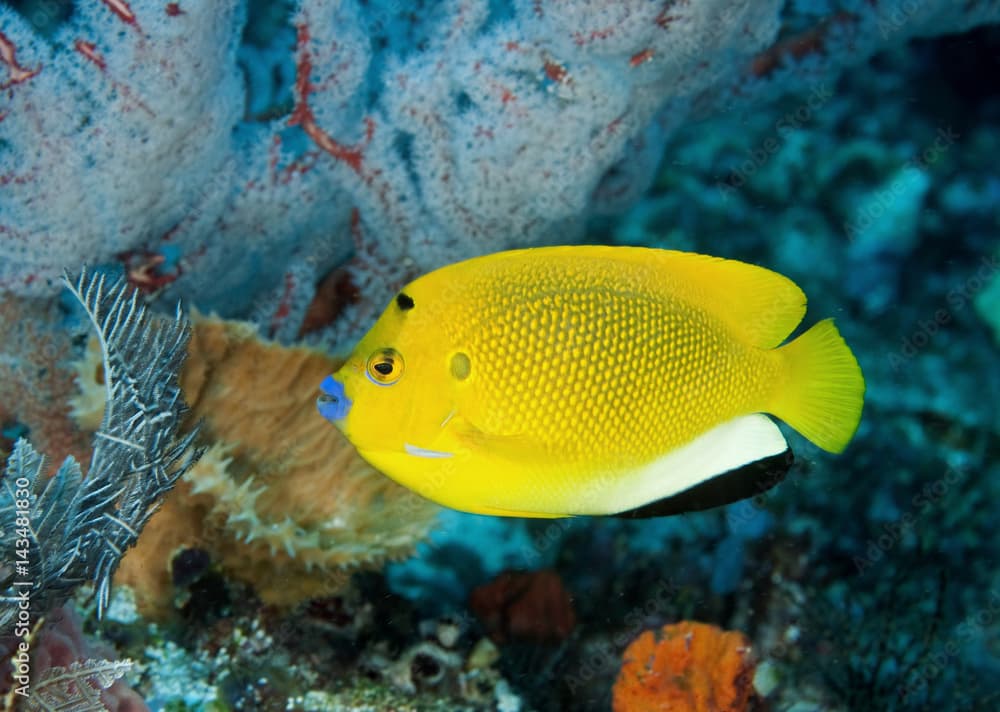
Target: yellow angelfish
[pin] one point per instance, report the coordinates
(562, 381)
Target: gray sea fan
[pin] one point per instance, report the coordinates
(39, 549)
(73, 529)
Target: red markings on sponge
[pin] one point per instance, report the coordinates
(15, 72)
(303, 116)
(123, 11)
(89, 50)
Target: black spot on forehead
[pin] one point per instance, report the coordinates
(405, 301)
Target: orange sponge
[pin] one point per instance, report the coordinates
(685, 667)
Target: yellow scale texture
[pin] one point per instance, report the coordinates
(591, 371)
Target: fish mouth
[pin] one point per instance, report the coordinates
(332, 403)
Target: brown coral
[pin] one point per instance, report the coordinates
(280, 500)
(525, 605)
(688, 667)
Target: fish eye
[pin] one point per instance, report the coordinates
(385, 367)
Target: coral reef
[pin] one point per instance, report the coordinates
(365, 696)
(687, 666)
(444, 661)
(156, 136)
(279, 500)
(363, 646)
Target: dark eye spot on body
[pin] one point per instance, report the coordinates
(404, 301)
(460, 366)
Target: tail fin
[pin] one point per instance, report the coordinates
(825, 388)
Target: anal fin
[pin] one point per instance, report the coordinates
(703, 473)
(741, 483)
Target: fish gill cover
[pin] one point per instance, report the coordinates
(295, 163)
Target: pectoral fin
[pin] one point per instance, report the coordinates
(516, 447)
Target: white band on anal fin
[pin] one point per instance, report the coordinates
(729, 446)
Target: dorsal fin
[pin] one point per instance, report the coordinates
(763, 305)
(754, 301)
